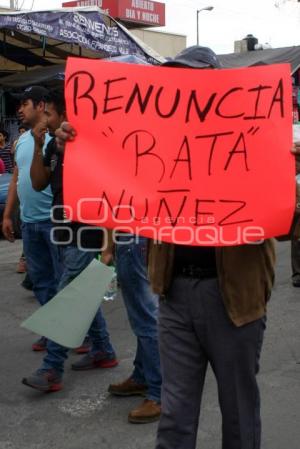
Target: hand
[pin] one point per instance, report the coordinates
(38, 132)
(107, 257)
(296, 148)
(8, 229)
(66, 133)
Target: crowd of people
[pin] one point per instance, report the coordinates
(187, 306)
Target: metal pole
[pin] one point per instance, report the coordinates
(12, 4)
(197, 26)
(206, 8)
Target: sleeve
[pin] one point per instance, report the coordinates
(48, 153)
(11, 160)
(2, 166)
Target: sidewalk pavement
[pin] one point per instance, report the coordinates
(84, 416)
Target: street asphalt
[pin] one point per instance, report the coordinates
(84, 416)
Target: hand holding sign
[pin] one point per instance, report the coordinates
(296, 138)
(192, 156)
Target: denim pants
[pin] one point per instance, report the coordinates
(142, 310)
(295, 253)
(195, 330)
(74, 262)
(43, 261)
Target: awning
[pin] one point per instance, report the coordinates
(47, 76)
(44, 38)
(270, 56)
(42, 76)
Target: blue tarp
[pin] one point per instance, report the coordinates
(87, 27)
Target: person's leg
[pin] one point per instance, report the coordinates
(74, 262)
(100, 336)
(142, 310)
(184, 364)
(54, 250)
(234, 355)
(295, 259)
(138, 371)
(21, 267)
(42, 266)
(39, 261)
(56, 354)
(49, 376)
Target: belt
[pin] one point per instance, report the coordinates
(192, 271)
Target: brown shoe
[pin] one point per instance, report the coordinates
(148, 411)
(128, 388)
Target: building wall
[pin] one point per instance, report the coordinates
(166, 44)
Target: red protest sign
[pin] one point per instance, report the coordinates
(199, 157)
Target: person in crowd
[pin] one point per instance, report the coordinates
(43, 263)
(142, 310)
(213, 311)
(21, 130)
(5, 152)
(295, 242)
(47, 169)
(2, 167)
(22, 266)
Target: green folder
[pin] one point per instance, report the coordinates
(68, 316)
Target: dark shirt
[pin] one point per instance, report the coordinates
(7, 158)
(90, 238)
(202, 257)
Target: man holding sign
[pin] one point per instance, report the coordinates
(213, 283)
(77, 249)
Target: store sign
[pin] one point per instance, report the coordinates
(144, 12)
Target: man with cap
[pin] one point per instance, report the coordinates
(212, 311)
(41, 254)
(78, 247)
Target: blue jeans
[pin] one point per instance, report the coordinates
(42, 257)
(74, 262)
(142, 310)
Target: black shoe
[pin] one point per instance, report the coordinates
(27, 284)
(296, 280)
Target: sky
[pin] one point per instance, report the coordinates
(274, 21)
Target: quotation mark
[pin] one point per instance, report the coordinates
(111, 132)
(253, 130)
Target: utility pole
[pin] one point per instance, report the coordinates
(206, 8)
(13, 4)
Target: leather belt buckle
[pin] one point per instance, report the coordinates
(195, 272)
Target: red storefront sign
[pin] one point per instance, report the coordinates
(143, 12)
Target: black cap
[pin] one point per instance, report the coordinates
(34, 93)
(196, 57)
